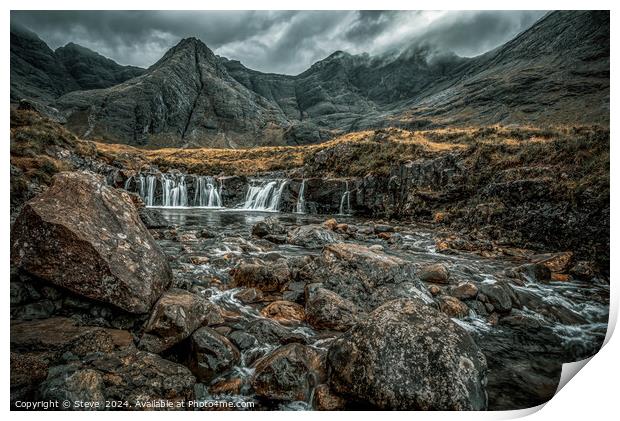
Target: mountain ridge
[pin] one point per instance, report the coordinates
(555, 72)
(43, 74)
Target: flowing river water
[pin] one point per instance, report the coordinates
(557, 322)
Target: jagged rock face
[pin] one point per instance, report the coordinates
(92, 70)
(408, 356)
(186, 98)
(87, 237)
(39, 73)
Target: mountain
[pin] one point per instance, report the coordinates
(554, 73)
(38, 72)
(187, 98)
(92, 70)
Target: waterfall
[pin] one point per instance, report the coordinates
(264, 195)
(127, 183)
(174, 191)
(206, 194)
(141, 186)
(345, 200)
(149, 198)
(301, 202)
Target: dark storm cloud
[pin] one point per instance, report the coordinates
(275, 41)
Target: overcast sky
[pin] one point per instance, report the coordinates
(275, 41)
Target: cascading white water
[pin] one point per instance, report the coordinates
(264, 195)
(128, 182)
(345, 201)
(174, 192)
(149, 198)
(141, 185)
(206, 193)
(301, 202)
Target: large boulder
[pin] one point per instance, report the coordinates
(271, 277)
(436, 273)
(289, 373)
(499, 294)
(408, 356)
(175, 316)
(136, 377)
(364, 276)
(87, 237)
(269, 226)
(58, 335)
(284, 312)
(312, 236)
(327, 310)
(211, 354)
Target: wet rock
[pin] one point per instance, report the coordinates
(206, 233)
(520, 321)
(38, 310)
(284, 312)
(226, 387)
(434, 290)
(249, 295)
(325, 400)
(364, 276)
(327, 310)
(499, 294)
(383, 228)
(531, 272)
(330, 224)
(452, 306)
(87, 237)
(288, 374)
(464, 291)
(59, 335)
(271, 277)
(152, 218)
(406, 356)
(583, 270)
(312, 236)
(132, 376)
(27, 371)
(555, 262)
(271, 332)
(342, 228)
(175, 316)
(436, 273)
(211, 354)
(269, 226)
(242, 340)
(478, 307)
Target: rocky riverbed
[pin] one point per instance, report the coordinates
(115, 302)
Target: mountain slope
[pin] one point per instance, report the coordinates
(556, 72)
(185, 99)
(36, 72)
(39, 73)
(92, 70)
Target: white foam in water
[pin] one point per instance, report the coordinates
(264, 195)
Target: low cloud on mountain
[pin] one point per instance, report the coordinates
(275, 41)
